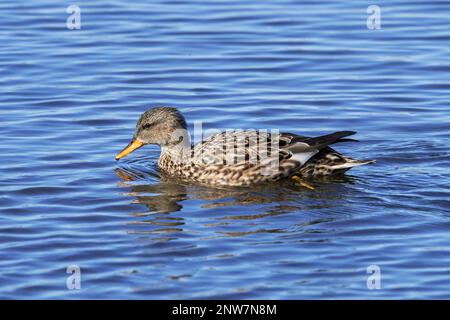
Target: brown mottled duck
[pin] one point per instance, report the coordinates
(238, 158)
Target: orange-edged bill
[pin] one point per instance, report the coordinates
(133, 145)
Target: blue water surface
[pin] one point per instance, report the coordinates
(69, 100)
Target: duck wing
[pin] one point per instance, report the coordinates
(304, 148)
(245, 158)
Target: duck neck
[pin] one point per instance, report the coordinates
(179, 153)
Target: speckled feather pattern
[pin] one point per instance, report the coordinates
(238, 162)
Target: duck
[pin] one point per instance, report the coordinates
(238, 157)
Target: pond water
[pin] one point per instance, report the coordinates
(69, 100)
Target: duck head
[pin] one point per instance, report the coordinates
(164, 126)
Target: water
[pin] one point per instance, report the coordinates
(69, 100)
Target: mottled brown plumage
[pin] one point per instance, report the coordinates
(237, 158)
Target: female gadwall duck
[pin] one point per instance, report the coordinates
(238, 158)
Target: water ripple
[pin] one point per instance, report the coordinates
(69, 101)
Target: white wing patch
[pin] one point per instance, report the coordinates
(303, 157)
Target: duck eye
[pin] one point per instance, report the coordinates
(147, 125)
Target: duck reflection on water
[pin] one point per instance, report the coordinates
(243, 208)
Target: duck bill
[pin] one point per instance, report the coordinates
(133, 145)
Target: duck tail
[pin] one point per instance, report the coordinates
(350, 163)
